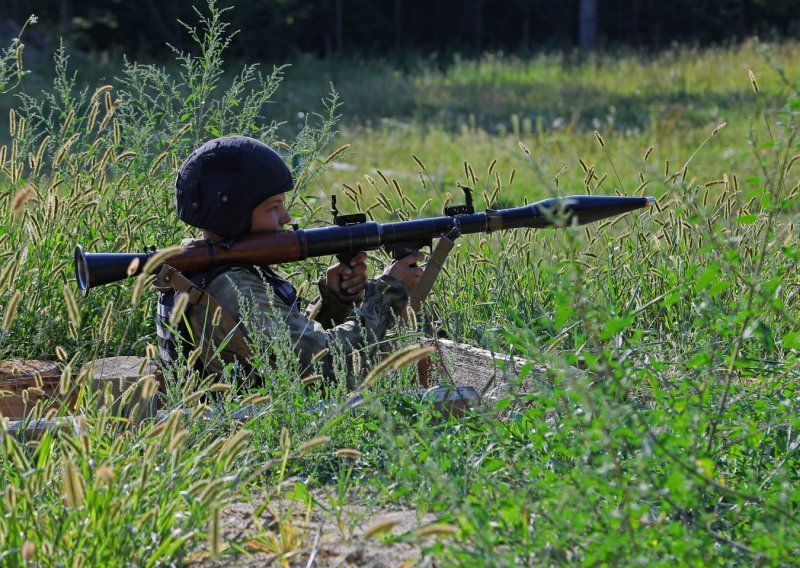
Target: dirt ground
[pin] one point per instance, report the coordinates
(326, 539)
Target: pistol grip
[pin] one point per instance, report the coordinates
(345, 258)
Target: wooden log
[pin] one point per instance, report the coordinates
(24, 382)
(31, 429)
(113, 376)
(487, 372)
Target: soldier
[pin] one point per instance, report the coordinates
(231, 187)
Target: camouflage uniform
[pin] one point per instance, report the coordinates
(328, 321)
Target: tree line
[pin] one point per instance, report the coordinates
(285, 28)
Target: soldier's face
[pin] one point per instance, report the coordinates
(271, 215)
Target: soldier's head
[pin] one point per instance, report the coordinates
(232, 186)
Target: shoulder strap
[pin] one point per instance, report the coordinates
(168, 276)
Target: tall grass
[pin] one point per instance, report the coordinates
(677, 444)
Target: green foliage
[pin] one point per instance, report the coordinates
(12, 69)
(657, 421)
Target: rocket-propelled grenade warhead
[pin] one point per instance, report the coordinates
(567, 211)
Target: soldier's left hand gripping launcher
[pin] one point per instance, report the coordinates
(351, 234)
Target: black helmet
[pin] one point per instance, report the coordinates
(224, 180)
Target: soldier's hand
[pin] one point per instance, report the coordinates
(348, 281)
(406, 270)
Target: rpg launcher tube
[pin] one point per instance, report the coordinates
(94, 269)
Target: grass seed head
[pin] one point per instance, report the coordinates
(599, 139)
(22, 198)
(788, 167)
(336, 153)
(235, 445)
(159, 257)
(104, 475)
(72, 484)
(256, 399)
(107, 322)
(411, 317)
(28, 550)
(306, 447)
(753, 82)
(214, 532)
(380, 526)
(194, 355)
(11, 310)
(191, 398)
(149, 387)
(311, 379)
(175, 316)
(133, 267)
(200, 410)
(176, 441)
(350, 453)
(437, 529)
(138, 288)
(73, 311)
(151, 351)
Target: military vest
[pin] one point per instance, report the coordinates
(173, 341)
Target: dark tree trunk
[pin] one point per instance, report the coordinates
(525, 42)
(338, 31)
(169, 34)
(65, 16)
(587, 24)
(478, 24)
(398, 24)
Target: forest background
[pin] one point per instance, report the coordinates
(279, 29)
